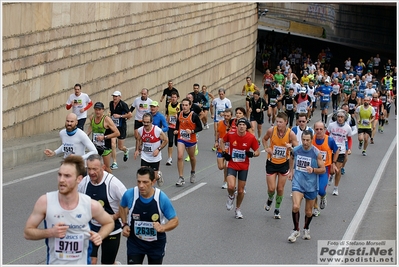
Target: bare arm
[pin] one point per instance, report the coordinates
(105, 219)
(31, 232)
(123, 211)
(169, 226)
(115, 132)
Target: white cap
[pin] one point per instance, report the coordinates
(117, 93)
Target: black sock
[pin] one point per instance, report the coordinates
(325, 118)
(382, 122)
(295, 219)
(307, 221)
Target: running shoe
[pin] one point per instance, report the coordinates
(335, 191)
(316, 212)
(331, 178)
(169, 162)
(230, 202)
(323, 202)
(386, 122)
(114, 166)
(382, 129)
(277, 214)
(364, 153)
(258, 141)
(268, 204)
(224, 186)
(360, 144)
(379, 128)
(294, 235)
(187, 158)
(160, 179)
(213, 148)
(371, 141)
(180, 181)
(126, 155)
(342, 171)
(192, 177)
(306, 234)
(238, 214)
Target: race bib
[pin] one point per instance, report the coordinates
(238, 155)
(116, 121)
(145, 231)
(70, 247)
(68, 150)
(323, 155)
(184, 135)
(96, 141)
(220, 111)
(289, 106)
(352, 106)
(365, 122)
(302, 162)
(172, 120)
(147, 148)
(273, 101)
(326, 98)
(279, 152)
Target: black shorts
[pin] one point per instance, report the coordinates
(172, 138)
(367, 131)
(137, 124)
(122, 131)
(341, 158)
(258, 119)
(153, 165)
(109, 249)
(267, 86)
(272, 168)
(241, 175)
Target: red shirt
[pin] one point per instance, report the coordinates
(376, 104)
(237, 148)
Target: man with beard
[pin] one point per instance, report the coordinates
(80, 104)
(74, 140)
(103, 130)
(365, 115)
(67, 214)
(108, 190)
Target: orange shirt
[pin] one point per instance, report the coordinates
(222, 130)
(325, 150)
(184, 124)
(280, 152)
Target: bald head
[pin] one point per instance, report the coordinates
(71, 122)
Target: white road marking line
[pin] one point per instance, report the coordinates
(357, 219)
(188, 191)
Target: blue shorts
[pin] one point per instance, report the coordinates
(324, 105)
(219, 155)
(187, 144)
(307, 195)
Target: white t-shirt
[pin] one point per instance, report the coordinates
(377, 61)
(142, 107)
(79, 102)
(340, 134)
(220, 106)
(75, 144)
(369, 92)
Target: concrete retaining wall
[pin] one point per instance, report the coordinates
(48, 47)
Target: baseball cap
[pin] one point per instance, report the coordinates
(305, 73)
(117, 93)
(350, 74)
(243, 120)
(154, 103)
(99, 105)
(303, 90)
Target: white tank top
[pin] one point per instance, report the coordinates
(74, 247)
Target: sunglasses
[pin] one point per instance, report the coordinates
(301, 121)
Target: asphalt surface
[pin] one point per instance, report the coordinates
(208, 233)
